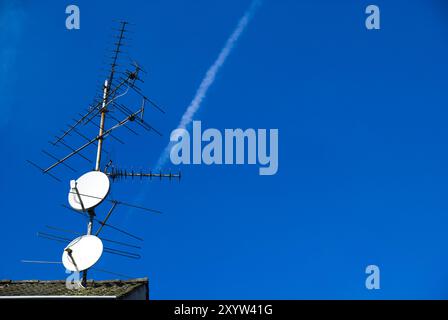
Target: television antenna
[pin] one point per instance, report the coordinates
(91, 189)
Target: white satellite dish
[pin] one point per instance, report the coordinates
(82, 253)
(88, 191)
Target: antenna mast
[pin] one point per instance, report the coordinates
(102, 123)
(107, 85)
(103, 111)
(89, 190)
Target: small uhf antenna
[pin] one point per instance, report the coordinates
(90, 190)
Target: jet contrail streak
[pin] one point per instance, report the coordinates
(210, 76)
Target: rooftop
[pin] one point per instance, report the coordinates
(134, 289)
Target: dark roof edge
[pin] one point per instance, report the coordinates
(136, 280)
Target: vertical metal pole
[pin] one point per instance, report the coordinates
(89, 232)
(98, 163)
(101, 131)
(102, 122)
(90, 225)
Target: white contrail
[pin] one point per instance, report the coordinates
(210, 77)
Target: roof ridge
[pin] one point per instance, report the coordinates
(134, 280)
(120, 289)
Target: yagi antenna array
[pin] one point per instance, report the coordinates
(91, 190)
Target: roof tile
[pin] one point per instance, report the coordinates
(117, 288)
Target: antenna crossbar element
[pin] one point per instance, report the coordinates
(71, 149)
(93, 110)
(53, 237)
(123, 109)
(136, 90)
(111, 135)
(98, 138)
(114, 64)
(102, 238)
(122, 253)
(118, 46)
(106, 225)
(123, 174)
(41, 262)
(84, 137)
(56, 159)
(114, 204)
(43, 170)
(111, 272)
(126, 126)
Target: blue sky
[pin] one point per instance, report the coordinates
(362, 145)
